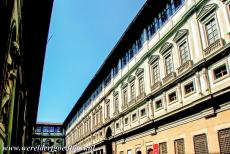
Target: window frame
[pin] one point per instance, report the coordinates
(204, 22)
(218, 65)
(179, 44)
(165, 55)
(152, 66)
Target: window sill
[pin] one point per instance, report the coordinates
(218, 44)
(185, 66)
(169, 77)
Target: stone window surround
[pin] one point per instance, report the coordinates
(211, 16)
(217, 65)
(186, 83)
(170, 92)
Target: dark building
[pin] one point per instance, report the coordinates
(48, 134)
(23, 40)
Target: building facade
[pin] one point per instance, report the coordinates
(23, 38)
(165, 86)
(48, 134)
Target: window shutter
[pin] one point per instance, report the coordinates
(224, 140)
(200, 144)
(163, 148)
(179, 146)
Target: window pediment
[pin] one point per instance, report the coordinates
(206, 10)
(139, 71)
(165, 47)
(131, 78)
(153, 58)
(115, 93)
(124, 84)
(180, 34)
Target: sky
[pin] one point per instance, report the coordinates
(82, 33)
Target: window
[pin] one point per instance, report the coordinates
(188, 88)
(45, 129)
(212, 31)
(126, 120)
(38, 129)
(155, 73)
(125, 96)
(168, 63)
(158, 104)
(116, 103)
(132, 90)
(141, 85)
(163, 148)
(129, 152)
(121, 152)
(200, 144)
(172, 97)
(134, 117)
(143, 112)
(108, 109)
(179, 146)
(117, 125)
(101, 115)
(224, 140)
(184, 52)
(220, 71)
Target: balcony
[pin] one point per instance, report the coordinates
(141, 96)
(185, 66)
(156, 85)
(218, 44)
(169, 77)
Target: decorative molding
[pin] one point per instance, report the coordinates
(153, 58)
(139, 71)
(115, 93)
(131, 78)
(165, 47)
(207, 9)
(185, 66)
(180, 34)
(218, 44)
(124, 85)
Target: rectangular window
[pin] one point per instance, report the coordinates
(163, 148)
(134, 117)
(155, 73)
(158, 104)
(132, 91)
(188, 88)
(125, 96)
(220, 71)
(224, 140)
(200, 144)
(101, 115)
(212, 31)
(184, 52)
(129, 152)
(143, 112)
(117, 125)
(179, 146)
(141, 85)
(172, 97)
(108, 109)
(169, 63)
(121, 152)
(38, 129)
(116, 103)
(126, 120)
